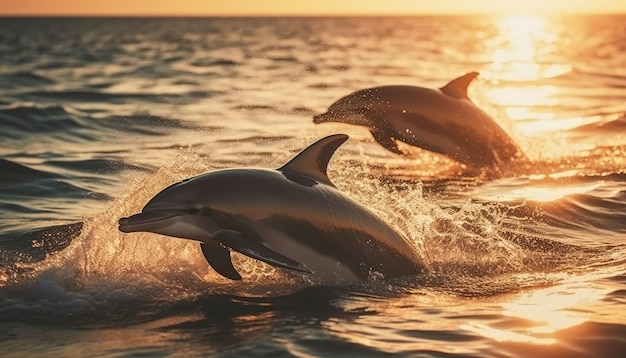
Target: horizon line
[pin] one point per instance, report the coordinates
(364, 14)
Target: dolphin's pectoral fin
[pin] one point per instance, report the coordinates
(219, 258)
(256, 250)
(386, 141)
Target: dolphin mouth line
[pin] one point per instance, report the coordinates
(139, 222)
(319, 118)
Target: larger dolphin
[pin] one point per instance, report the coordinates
(292, 217)
(439, 120)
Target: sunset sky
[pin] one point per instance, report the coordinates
(297, 7)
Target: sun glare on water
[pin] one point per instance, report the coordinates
(549, 193)
(545, 311)
(542, 188)
(525, 51)
(520, 42)
(519, 54)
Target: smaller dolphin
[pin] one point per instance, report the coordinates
(441, 120)
(292, 217)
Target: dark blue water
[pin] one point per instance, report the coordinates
(98, 115)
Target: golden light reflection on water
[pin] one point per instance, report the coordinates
(502, 335)
(538, 125)
(521, 53)
(545, 312)
(522, 39)
(550, 193)
(523, 96)
(549, 187)
(521, 56)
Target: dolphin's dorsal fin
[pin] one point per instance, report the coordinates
(458, 86)
(313, 161)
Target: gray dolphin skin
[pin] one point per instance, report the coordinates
(292, 217)
(441, 120)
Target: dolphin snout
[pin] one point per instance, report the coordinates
(321, 118)
(356, 116)
(146, 221)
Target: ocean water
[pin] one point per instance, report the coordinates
(98, 115)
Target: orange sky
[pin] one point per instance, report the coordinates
(298, 7)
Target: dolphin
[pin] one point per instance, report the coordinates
(293, 217)
(441, 120)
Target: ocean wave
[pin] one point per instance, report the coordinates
(619, 80)
(35, 189)
(96, 165)
(21, 121)
(38, 189)
(146, 124)
(254, 107)
(29, 246)
(582, 204)
(613, 124)
(82, 96)
(24, 79)
(210, 62)
(589, 213)
(64, 122)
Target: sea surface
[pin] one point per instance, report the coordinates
(99, 114)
